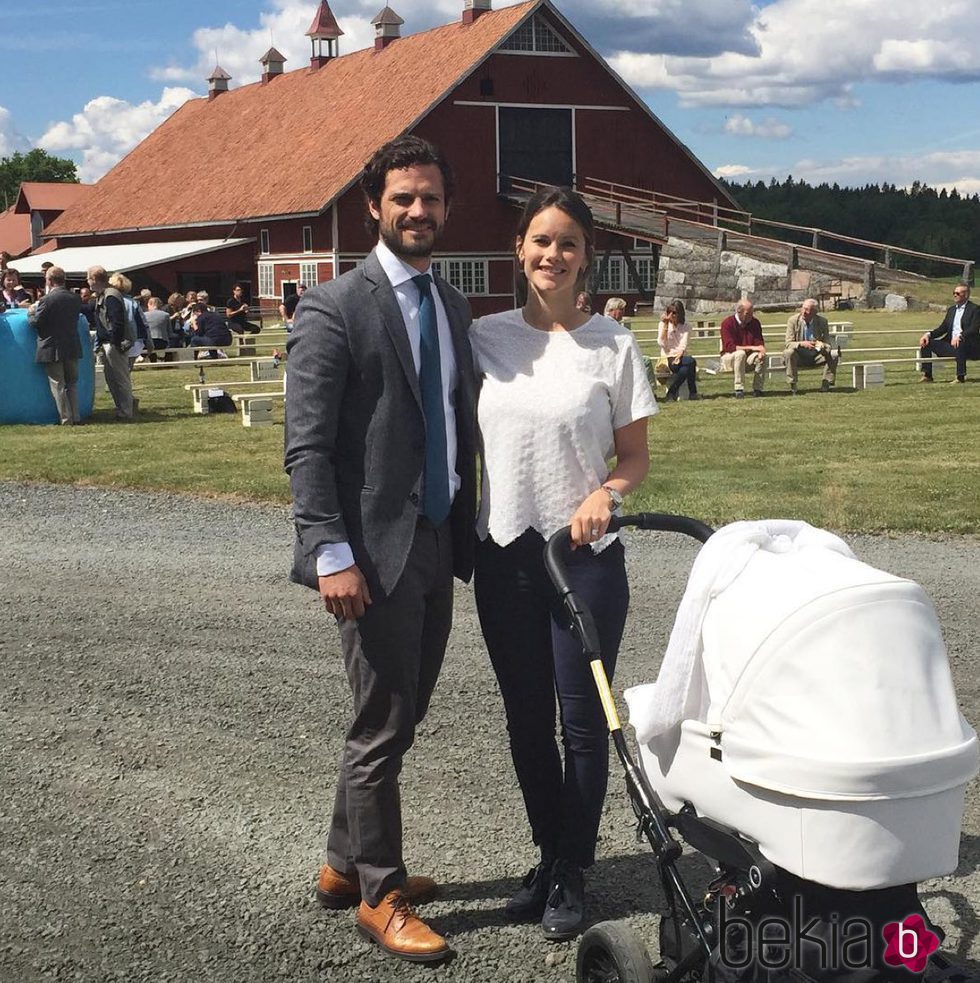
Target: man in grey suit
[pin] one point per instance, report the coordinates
(55, 318)
(808, 344)
(380, 440)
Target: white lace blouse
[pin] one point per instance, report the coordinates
(549, 404)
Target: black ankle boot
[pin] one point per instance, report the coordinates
(528, 904)
(565, 909)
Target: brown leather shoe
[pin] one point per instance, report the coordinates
(924, 378)
(335, 890)
(399, 931)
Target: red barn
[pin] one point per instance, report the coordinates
(512, 93)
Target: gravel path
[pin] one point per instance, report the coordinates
(171, 718)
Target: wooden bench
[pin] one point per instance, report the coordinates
(257, 407)
(261, 368)
(200, 391)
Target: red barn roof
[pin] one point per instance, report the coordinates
(324, 24)
(49, 196)
(310, 133)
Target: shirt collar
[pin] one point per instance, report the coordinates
(396, 269)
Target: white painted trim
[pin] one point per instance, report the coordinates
(496, 137)
(296, 257)
(335, 235)
(574, 148)
(541, 105)
(539, 54)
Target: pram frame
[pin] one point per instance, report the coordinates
(649, 811)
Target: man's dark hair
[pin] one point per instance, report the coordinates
(199, 309)
(396, 155)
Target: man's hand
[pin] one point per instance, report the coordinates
(345, 593)
(924, 340)
(956, 342)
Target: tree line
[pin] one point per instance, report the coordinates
(35, 165)
(918, 217)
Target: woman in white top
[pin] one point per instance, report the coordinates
(563, 392)
(672, 335)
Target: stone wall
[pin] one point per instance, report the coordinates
(707, 279)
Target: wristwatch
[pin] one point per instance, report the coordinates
(615, 499)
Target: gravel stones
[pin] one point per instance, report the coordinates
(171, 719)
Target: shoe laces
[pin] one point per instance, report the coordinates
(565, 875)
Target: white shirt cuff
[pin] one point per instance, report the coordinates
(332, 558)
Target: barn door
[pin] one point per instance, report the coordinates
(536, 144)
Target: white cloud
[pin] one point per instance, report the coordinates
(238, 50)
(810, 51)
(11, 139)
(767, 129)
(108, 128)
(939, 169)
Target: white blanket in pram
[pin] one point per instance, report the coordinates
(679, 692)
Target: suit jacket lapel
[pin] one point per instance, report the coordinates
(394, 323)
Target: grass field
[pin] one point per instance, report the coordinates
(899, 458)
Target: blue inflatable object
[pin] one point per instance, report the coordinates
(25, 396)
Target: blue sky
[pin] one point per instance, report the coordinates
(855, 91)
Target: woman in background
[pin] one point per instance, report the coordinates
(673, 335)
(563, 392)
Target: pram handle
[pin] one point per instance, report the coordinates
(558, 549)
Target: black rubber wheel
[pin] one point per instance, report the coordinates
(611, 952)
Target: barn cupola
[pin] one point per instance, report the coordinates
(272, 64)
(387, 28)
(473, 8)
(323, 28)
(217, 82)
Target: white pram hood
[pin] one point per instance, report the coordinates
(816, 674)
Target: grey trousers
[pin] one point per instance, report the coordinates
(392, 656)
(63, 380)
(808, 358)
(117, 368)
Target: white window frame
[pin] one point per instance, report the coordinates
(307, 238)
(465, 274)
(308, 274)
(267, 280)
(264, 249)
(613, 279)
(646, 267)
(537, 22)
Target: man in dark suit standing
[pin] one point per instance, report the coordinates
(380, 453)
(957, 337)
(55, 318)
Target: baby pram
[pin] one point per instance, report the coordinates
(813, 751)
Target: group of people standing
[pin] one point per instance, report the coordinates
(392, 389)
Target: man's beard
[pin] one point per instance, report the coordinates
(392, 238)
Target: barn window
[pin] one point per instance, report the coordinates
(307, 274)
(535, 35)
(647, 270)
(612, 280)
(264, 242)
(468, 276)
(307, 238)
(267, 282)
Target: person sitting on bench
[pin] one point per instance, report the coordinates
(210, 330)
(742, 345)
(957, 337)
(808, 344)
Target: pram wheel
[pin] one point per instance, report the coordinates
(611, 952)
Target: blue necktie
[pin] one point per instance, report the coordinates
(435, 499)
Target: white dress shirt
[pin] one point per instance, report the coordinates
(334, 557)
(958, 320)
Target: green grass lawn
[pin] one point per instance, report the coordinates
(899, 458)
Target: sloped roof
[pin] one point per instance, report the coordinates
(15, 232)
(49, 196)
(309, 134)
(324, 24)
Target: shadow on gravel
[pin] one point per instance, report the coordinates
(616, 887)
(965, 907)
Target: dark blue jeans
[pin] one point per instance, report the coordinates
(535, 658)
(685, 370)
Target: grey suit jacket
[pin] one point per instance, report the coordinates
(794, 330)
(56, 321)
(355, 433)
